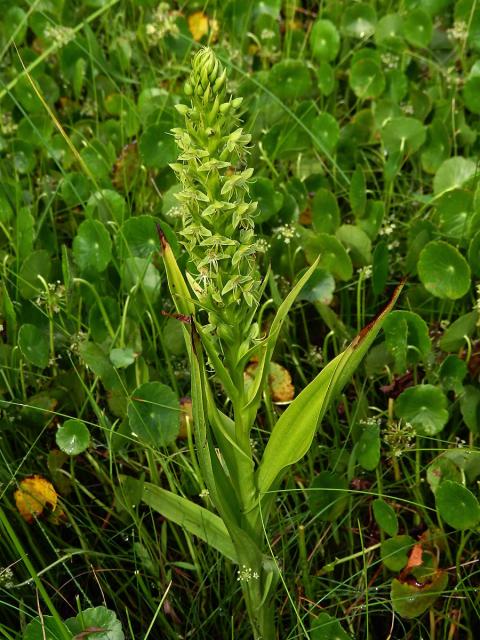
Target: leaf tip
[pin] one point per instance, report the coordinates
(163, 238)
(366, 330)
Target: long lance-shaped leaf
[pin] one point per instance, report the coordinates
(192, 517)
(218, 484)
(238, 461)
(293, 433)
(268, 345)
(176, 282)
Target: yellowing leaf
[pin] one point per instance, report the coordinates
(33, 495)
(198, 25)
(279, 381)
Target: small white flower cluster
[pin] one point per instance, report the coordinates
(77, 339)
(370, 421)
(365, 272)
(56, 292)
(59, 35)
(387, 229)
(315, 354)
(459, 31)
(390, 60)
(263, 245)
(53, 361)
(245, 574)
(452, 78)
(204, 493)
(394, 244)
(459, 442)
(6, 577)
(287, 232)
(163, 23)
(407, 109)
(267, 45)
(47, 184)
(267, 34)
(399, 437)
(7, 124)
(89, 108)
(175, 212)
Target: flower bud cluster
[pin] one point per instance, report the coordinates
(217, 214)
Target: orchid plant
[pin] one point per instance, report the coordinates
(219, 300)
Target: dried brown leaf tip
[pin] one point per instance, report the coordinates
(163, 238)
(366, 330)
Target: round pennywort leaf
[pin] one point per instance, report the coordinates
(368, 447)
(457, 505)
(359, 20)
(385, 516)
(34, 345)
(425, 407)
(367, 79)
(324, 40)
(92, 247)
(290, 80)
(443, 270)
(453, 174)
(102, 620)
(418, 28)
(73, 437)
(403, 135)
(471, 94)
(410, 600)
(138, 237)
(154, 414)
(319, 288)
(394, 552)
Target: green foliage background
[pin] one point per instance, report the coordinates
(364, 124)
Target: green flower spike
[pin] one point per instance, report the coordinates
(217, 214)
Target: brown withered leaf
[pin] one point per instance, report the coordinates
(126, 167)
(306, 217)
(399, 384)
(415, 559)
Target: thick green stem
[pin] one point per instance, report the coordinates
(261, 614)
